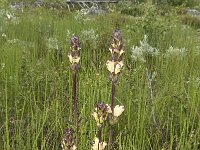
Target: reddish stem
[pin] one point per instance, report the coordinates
(99, 134)
(112, 108)
(75, 105)
(113, 97)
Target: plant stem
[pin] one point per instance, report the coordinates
(7, 120)
(149, 79)
(99, 134)
(75, 105)
(112, 108)
(113, 97)
(110, 138)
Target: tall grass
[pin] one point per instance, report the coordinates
(35, 82)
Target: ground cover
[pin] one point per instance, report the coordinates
(35, 78)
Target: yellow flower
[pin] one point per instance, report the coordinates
(114, 67)
(118, 67)
(98, 119)
(65, 147)
(109, 109)
(73, 59)
(120, 52)
(110, 66)
(110, 49)
(118, 110)
(74, 147)
(98, 145)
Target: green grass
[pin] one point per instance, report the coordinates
(36, 86)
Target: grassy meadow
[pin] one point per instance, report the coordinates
(36, 80)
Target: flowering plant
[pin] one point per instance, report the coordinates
(97, 145)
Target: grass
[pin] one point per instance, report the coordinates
(35, 82)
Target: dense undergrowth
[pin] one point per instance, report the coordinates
(35, 85)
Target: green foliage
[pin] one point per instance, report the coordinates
(190, 20)
(168, 2)
(134, 10)
(3, 4)
(35, 85)
(181, 2)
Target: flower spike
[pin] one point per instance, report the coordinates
(74, 53)
(115, 65)
(101, 113)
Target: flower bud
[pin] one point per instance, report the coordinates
(68, 140)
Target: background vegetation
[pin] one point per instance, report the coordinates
(35, 78)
